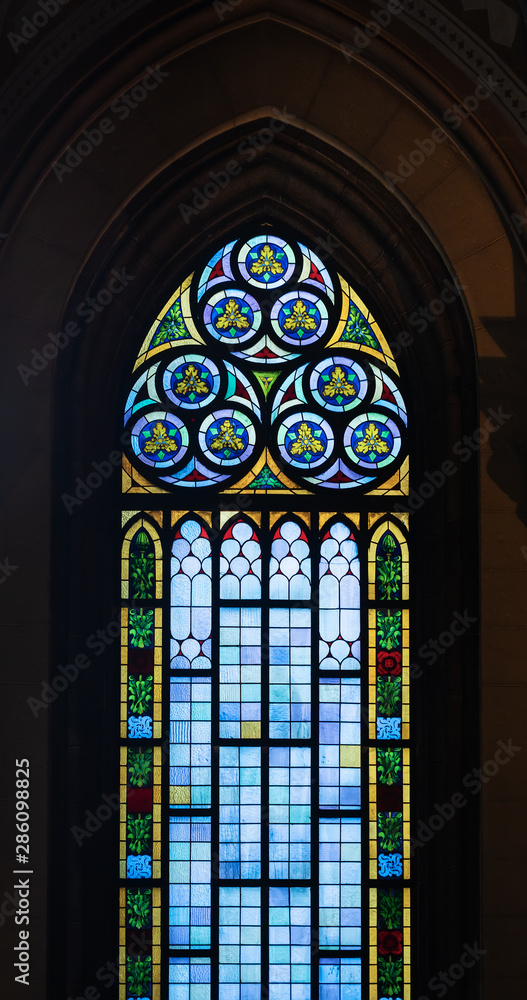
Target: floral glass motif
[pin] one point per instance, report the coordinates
(299, 318)
(262, 328)
(227, 437)
(191, 381)
(290, 566)
(265, 374)
(191, 621)
(388, 568)
(338, 385)
(142, 566)
(339, 600)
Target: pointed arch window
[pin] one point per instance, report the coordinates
(265, 757)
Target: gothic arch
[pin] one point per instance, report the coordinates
(322, 175)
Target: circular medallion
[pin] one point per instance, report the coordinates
(232, 316)
(299, 318)
(159, 439)
(305, 440)
(227, 437)
(372, 440)
(266, 260)
(191, 381)
(337, 384)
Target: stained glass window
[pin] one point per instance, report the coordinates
(265, 726)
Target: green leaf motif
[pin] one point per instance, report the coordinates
(139, 908)
(390, 830)
(389, 766)
(139, 767)
(138, 975)
(389, 629)
(140, 691)
(388, 569)
(266, 480)
(141, 629)
(139, 833)
(358, 330)
(390, 904)
(390, 975)
(388, 696)
(142, 563)
(172, 327)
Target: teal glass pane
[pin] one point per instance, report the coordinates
(240, 919)
(189, 882)
(240, 813)
(340, 979)
(240, 688)
(289, 943)
(189, 978)
(289, 673)
(340, 883)
(289, 812)
(339, 742)
(190, 741)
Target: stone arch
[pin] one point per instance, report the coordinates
(323, 174)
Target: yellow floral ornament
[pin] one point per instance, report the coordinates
(227, 438)
(192, 382)
(305, 442)
(300, 318)
(267, 263)
(372, 442)
(160, 440)
(232, 318)
(339, 385)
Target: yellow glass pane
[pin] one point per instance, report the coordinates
(251, 730)
(180, 795)
(349, 756)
